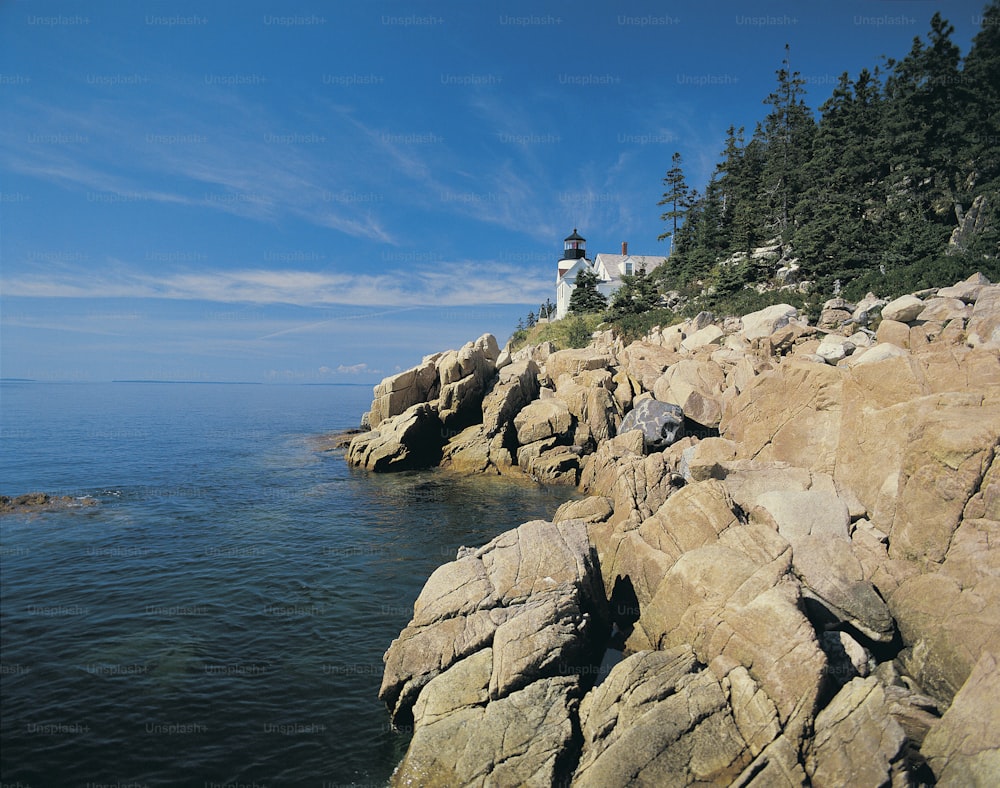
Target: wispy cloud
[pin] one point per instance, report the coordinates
(444, 284)
(241, 167)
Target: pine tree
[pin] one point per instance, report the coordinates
(788, 130)
(586, 297)
(677, 196)
(636, 295)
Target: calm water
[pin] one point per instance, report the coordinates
(220, 617)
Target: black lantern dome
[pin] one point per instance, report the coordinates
(574, 247)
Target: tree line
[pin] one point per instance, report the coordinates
(866, 194)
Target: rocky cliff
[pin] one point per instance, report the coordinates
(786, 570)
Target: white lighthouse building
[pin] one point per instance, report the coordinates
(609, 269)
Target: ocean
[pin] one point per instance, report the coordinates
(219, 617)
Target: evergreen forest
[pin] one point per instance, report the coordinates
(891, 186)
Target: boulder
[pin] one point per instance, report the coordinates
(967, 291)
(692, 517)
(950, 617)
(836, 588)
(575, 361)
(880, 352)
(593, 405)
(515, 386)
(397, 393)
(468, 452)
(659, 719)
(541, 572)
(645, 362)
(661, 423)
(856, 741)
(637, 484)
(832, 350)
(592, 509)
(765, 322)
(558, 465)
(460, 740)
(834, 318)
(697, 386)
(964, 747)
(894, 333)
(903, 309)
(413, 439)
(984, 324)
(464, 376)
(541, 419)
(791, 413)
(944, 309)
(709, 335)
(799, 514)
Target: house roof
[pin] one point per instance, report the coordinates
(578, 264)
(614, 264)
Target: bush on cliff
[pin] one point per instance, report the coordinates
(561, 333)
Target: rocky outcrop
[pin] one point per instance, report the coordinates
(788, 547)
(413, 439)
(42, 502)
(661, 718)
(502, 636)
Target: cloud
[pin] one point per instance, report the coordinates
(352, 369)
(442, 285)
(236, 166)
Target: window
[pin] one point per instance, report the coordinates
(628, 269)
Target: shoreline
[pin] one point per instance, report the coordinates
(802, 504)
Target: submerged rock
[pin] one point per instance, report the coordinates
(41, 502)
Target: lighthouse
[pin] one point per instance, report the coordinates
(574, 248)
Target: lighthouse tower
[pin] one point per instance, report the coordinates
(574, 248)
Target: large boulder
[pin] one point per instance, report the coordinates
(575, 361)
(592, 405)
(532, 593)
(967, 291)
(950, 617)
(697, 386)
(735, 597)
(661, 423)
(541, 419)
(515, 386)
(903, 309)
(856, 741)
(765, 322)
(660, 719)
(637, 484)
(413, 439)
(398, 392)
(464, 376)
(645, 362)
(461, 739)
(834, 586)
(490, 667)
(791, 413)
(984, 324)
(964, 747)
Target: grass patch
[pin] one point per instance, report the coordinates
(573, 331)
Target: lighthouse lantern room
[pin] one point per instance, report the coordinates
(574, 248)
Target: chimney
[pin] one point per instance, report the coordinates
(624, 248)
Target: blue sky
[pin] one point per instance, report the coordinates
(328, 191)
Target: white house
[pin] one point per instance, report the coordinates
(609, 269)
